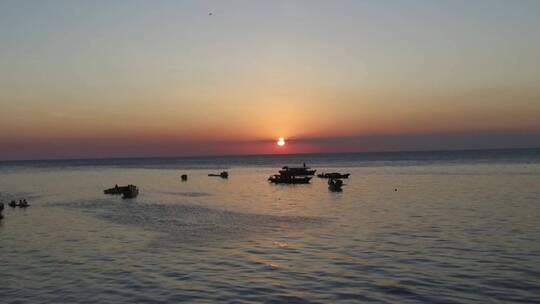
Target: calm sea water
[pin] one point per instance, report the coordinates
(462, 227)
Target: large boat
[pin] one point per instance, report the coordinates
(333, 175)
(297, 170)
(289, 179)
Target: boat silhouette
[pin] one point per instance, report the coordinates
(129, 191)
(333, 175)
(289, 179)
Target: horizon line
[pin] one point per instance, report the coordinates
(264, 155)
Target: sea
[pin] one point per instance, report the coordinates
(408, 227)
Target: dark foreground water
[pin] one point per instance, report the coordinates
(462, 227)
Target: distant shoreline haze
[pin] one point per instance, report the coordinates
(126, 147)
(286, 153)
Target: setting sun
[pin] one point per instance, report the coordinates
(281, 142)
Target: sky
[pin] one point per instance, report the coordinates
(92, 79)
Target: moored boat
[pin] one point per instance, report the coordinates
(335, 185)
(333, 175)
(223, 174)
(289, 179)
(297, 170)
(23, 203)
(129, 191)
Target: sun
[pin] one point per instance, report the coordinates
(281, 142)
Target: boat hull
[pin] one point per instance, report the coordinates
(335, 189)
(335, 185)
(289, 180)
(223, 174)
(333, 175)
(129, 191)
(296, 172)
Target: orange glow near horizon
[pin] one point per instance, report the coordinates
(223, 88)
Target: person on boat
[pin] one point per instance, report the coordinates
(335, 183)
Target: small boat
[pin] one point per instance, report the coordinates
(333, 175)
(223, 174)
(23, 203)
(289, 179)
(115, 190)
(184, 177)
(335, 185)
(129, 191)
(296, 170)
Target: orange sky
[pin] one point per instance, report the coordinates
(166, 78)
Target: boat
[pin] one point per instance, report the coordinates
(335, 185)
(129, 191)
(297, 170)
(223, 174)
(333, 175)
(289, 179)
(292, 175)
(23, 203)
